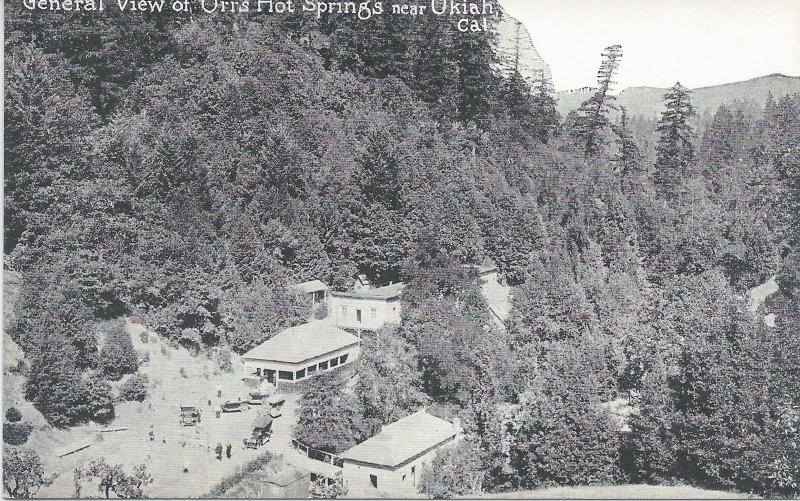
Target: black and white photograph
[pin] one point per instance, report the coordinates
(392, 249)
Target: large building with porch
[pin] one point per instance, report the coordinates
(299, 352)
(365, 308)
(391, 462)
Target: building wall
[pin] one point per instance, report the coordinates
(352, 353)
(402, 480)
(375, 313)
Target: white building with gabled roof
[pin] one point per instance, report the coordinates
(299, 352)
(391, 462)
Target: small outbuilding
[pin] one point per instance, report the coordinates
(391, 462)
(316, 290)
(300, 352)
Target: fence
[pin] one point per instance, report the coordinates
(318, 455)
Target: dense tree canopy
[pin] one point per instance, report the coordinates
(188, 171)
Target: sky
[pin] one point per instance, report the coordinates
(696, 42)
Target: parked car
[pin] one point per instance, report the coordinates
(190, 416)
(235, 406)
(262, 431)
(257, 398)
(276, 403)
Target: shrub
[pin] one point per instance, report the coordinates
(13, 415)
(135, 388)
(222, 357)
(16, 433)
(144, 336)
(455, 471)
(98, 404)
(117, 357)
(240, 474)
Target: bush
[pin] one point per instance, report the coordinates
(98, 404)
(13, 415)
(117, 357)
(240, 474)
(144, 336)
(455, 471)
(135, 388)
(16, 433)
(222, 357)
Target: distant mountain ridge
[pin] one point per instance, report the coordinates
(648, 101)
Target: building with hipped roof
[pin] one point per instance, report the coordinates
(299, 352)
(391, 462)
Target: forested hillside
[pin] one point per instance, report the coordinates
(187, 169)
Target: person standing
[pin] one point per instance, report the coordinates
(228, 450)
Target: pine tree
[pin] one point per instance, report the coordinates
(674, 151)
(717, 146)
(544, 108)
(593, 113)
(628, 153)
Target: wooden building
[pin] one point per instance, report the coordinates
(391, 462)
(365, 309)
(299, 352)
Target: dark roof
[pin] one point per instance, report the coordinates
(385, 293)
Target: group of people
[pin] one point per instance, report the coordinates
(218, 450)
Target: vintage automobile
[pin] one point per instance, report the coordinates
(275, 404)
(262, 431)
(190, 416)
(235, 406)
(258, 397)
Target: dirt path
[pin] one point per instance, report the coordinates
(175, 446)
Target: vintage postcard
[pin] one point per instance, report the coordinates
(522, 249)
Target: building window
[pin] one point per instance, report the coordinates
(343, 358)
(311, 368)
(373, 479)
(323, 366)
(287, 375)
(334, 362)
(300, 374)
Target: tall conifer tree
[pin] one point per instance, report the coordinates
(593, 113)
(674, 151)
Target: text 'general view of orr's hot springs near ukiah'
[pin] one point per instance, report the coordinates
(500, 249)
